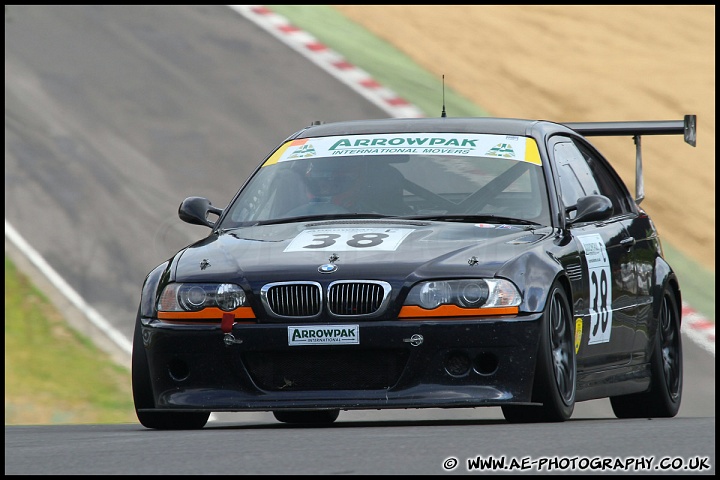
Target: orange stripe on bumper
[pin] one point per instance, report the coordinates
(213, 313)
(451, 312)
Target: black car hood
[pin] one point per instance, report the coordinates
(361, 249)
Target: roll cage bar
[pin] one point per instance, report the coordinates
(687, 127)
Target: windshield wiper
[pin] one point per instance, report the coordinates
(475, 218)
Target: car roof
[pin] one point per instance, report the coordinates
(488, 125)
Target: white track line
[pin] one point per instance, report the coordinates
(58, 282)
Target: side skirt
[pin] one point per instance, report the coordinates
(612, 382)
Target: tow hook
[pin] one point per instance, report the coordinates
(228, 319)
(229, 339)
(415, 340)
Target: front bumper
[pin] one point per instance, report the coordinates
(467, 363)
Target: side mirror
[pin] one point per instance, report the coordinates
(593, 208)
(195, 210)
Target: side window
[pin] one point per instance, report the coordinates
(582, 172)
(608, 182)
(576, 178)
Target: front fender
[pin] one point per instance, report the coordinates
(533, 274)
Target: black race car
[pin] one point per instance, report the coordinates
(412, 263)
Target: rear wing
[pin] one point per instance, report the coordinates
(687, 127)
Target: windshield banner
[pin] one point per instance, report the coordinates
(459, 144)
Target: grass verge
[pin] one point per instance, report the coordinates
(54, 375)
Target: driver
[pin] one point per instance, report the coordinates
(350, 185)
(326, 182)
(329, 180)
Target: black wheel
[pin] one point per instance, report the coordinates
(143, 396)
(663, 397)
(315, 417)
(556, 371)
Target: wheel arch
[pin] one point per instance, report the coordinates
(665, 279)
(674, 286)
(150, 289)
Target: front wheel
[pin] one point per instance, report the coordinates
(313, 417)
(556, 370)
(663, 397)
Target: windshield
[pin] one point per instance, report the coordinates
(400, 175)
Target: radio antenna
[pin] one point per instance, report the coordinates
(443, 114)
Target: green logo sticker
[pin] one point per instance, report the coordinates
(304, 151)
(501, 150)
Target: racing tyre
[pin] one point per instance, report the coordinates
(663, 397)
(143, 396)
(314, 417)
(556, 371)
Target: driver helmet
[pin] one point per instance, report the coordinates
(328, 177)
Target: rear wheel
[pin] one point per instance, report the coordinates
(555, 373)
(316, 417)
(143, 396)
(663, 397)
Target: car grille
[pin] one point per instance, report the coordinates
(348, 298)
(298, 299)
(348, 369)
(345, 298)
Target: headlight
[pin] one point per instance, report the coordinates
(192, 297)
(467, 293)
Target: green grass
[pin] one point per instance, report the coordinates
(54, 375)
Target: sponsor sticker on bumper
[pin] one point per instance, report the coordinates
(324, 335)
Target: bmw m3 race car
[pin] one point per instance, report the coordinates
(418, 263)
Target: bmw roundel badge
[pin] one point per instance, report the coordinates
(327, 268)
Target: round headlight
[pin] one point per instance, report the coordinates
(433, 294)
(192, 297)
(229, 297)
(473, 294)
(465, 293)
